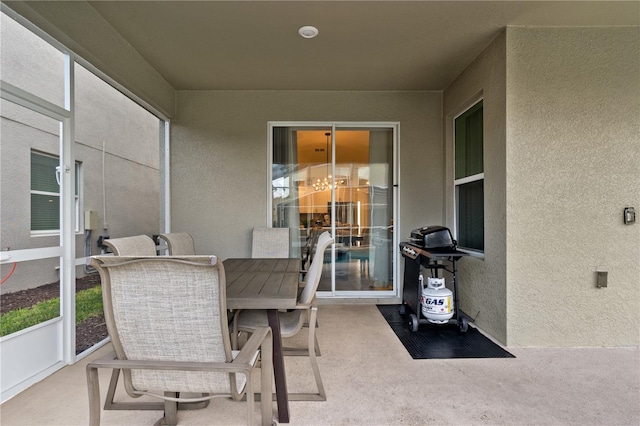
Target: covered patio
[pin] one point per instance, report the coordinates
(371, 380)
(558, 86)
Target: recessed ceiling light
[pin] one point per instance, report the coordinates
(308, 31)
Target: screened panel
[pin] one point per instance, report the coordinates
(30, 63)
(120, 155)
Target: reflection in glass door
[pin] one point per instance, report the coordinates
(338, 179)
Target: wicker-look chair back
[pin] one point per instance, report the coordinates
(314, 273)
(139, 245)
(179, 243)
(270, 243)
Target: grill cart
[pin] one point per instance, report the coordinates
(430, 248)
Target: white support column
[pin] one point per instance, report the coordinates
(68, 225)
(167, 176)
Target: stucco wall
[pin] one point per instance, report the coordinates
(573, 164)
(219, 156)
(483, 285)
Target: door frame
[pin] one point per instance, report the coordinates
(334, 126)
(34, 353)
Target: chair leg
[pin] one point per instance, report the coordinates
(320, 395)
(94, 395)
(315, 344)
(250, 398)
(317, 347)
(312, 353)
(266, 382)
(108, 402)
(170, 410)
(305, 352)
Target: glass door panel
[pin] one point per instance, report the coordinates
(301, 162)
(363, 212)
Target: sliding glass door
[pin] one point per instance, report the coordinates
(338, 178)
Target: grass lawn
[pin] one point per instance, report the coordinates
(88, 304)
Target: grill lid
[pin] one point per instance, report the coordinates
(433, 237)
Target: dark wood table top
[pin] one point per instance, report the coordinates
(262, 283)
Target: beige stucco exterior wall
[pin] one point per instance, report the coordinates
(483, 283)
(561, 156)
(573, 164)
(219, 156)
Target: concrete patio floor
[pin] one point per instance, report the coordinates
(371, 380)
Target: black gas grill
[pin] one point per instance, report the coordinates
(430, 248)
(433, 238)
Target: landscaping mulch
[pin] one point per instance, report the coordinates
(88, 333)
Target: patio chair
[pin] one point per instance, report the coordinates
(308, 252)
(293, 321)
(167, 320)
(270, 243)
(140, 245)
(179, 243)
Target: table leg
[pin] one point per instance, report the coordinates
(282, 396)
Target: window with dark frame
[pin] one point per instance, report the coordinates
(45, 193)
(469, 178)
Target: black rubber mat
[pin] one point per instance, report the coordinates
(433, 341)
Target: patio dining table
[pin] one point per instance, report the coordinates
(269, 284)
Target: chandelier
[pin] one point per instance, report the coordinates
(326, 182)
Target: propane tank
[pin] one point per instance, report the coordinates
(436, 300)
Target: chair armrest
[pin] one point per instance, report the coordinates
(306, 306)
(261, 336)
(110, 361)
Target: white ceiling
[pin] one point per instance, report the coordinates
(362, 45)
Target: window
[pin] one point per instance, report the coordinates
(469, 179)
(45, 193)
